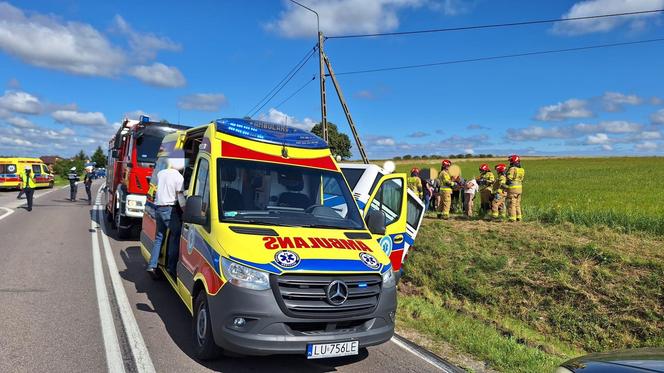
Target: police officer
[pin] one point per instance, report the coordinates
(87, 181)
(414, 182)
(28, 181)
(485, 181)
(499, 192)
(515, 176)
(72, 176)
(446, 185)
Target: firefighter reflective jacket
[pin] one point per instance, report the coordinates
(500, 185)
(515, 177)
(446, 182)
(486, 181)
(415, 184)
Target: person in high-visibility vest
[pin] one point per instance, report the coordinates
(499, 192)
(414, 182)
(515, 176)
(485, 181)
(29, 185)
(446, 185)
(72, 176)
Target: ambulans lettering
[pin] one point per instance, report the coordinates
(274, 243)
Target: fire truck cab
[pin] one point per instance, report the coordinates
(132, 154)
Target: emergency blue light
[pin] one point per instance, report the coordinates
(362, 285)
(145, 119)
(271, 133)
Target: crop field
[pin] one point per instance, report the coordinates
(583, 273)
(622, 193)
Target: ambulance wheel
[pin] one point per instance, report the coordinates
(51, 184)
(201, 327)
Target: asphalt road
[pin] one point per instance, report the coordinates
(75, 299)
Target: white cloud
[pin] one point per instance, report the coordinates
(20, 122)
(656, 101)
(276, 116)
(46, 41)
(469, 151)
(607, 147)
(20, 102)
(418, 134)
(650, 135)
(657, 117)
(144, 46)
(598, 7)
(79, 118)
(572, 108)
(341, 16)
(365, 94)
(203, 102)
(614, 126)
(615, 101)
(537, 133)
(598, 139)
(452, 7)
(159, 75)
(385, 141)
(647, 146)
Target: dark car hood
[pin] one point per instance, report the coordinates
(640, 360)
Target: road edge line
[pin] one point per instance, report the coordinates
(138, 348)
(425, 354)
(114, 361)
(9, 212)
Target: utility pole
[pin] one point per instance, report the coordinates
(323, 100)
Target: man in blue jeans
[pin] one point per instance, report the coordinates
(169, 185)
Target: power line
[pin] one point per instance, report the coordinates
(498, 57)
(296, 92)
(299, 64)
(285, 83)
(494, 25)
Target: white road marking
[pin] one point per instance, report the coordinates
(420, 355)
(7, 213)
(114, 361)
(136, 342)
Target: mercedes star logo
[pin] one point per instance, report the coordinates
(337, 292)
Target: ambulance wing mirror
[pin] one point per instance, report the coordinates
(114, 153)
(193, 211)
(376, 222)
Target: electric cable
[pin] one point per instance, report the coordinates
(494, 25)
(498, 57)
(296, 92)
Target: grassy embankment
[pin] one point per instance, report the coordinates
(524, 300)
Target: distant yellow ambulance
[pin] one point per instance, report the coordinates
(12, 169)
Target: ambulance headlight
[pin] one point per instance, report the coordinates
(243, 276)
(389, 279)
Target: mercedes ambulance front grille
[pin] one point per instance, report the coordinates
(306, 295)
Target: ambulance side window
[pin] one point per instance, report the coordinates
(36, 169)
(201, 187)
(45, 169)
(388, 200)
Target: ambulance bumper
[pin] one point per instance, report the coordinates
(267, 330)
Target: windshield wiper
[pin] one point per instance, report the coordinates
(256, 222)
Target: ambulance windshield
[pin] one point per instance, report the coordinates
(276, 194)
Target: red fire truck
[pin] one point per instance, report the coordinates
(131, 156)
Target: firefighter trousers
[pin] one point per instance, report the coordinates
(498, 205)
(514, 197)
(445, 203)
(485, 201)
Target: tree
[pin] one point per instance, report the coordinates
(339, 142)
(397, 158)
(80, 156)
(99, 158)
(407, 157)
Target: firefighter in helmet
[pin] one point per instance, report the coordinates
(414, 182)
(499, 192)
(515, 176)
(446, 185)
(485, 181)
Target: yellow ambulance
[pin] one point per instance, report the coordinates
(274, 255)
(12, 169)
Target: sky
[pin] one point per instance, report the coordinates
(71, 70)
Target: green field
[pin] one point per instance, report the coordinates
(622, 193)
(583, 273)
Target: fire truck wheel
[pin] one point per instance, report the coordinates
(201, 328)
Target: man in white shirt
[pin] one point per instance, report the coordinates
(167, 210)
(471, 187)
